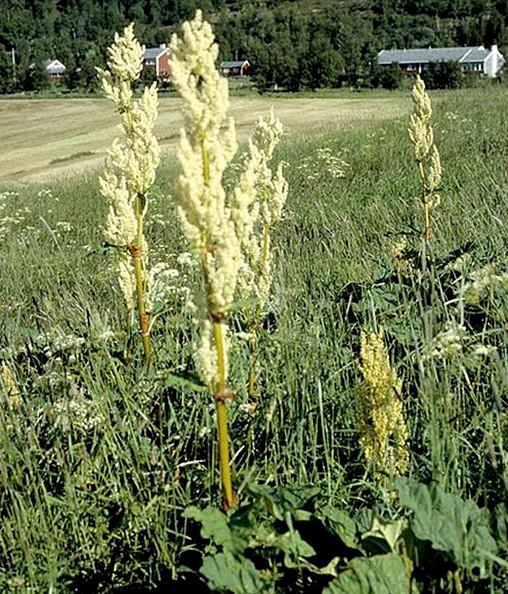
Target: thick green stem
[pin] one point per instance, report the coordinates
(221, 393)
(139, 274)
(252, 368)
(222, 419)
(256, 321)
(142, 314)
(425, 201)
(136, 251)
(427, 221)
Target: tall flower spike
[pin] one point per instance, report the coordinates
(257, 204)
(203, 155)
(130, 171)
(426, 153)
(383, 433)
(258, 201)
(204, 152)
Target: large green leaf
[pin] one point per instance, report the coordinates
(381, 574)
(282, 500)
(226, 573)
(389, 531)
(214, 525)
(294, 548)
(456, 527)
(340, 524)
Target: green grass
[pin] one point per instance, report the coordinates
(99, 458)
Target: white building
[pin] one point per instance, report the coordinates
(475, 59)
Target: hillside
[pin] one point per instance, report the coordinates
(300, 43)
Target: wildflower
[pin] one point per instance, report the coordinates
(161, 283)
(383, 432)
(426, 153)
(77, 414)
(10, 386)
(185, 260)
(203, 155)
(64, 226)
(323, 163)
(257, 204)
(448, 343)
(130, 170)
(488, 279)
(399, 257)
(420, 132)
(204, 152)
(483, 350)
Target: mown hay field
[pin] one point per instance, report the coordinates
(100, 457)
(47, 138)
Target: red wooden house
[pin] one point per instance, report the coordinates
(235, 68)
(157, 58)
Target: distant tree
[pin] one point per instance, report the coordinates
(443, 75)
(6, 72)
(321, 64)
(288, 43)
(83, 75)
(36, 78)
(147, 77)
(388, 77)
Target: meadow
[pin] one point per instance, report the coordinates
(48, 138)
(100, 456)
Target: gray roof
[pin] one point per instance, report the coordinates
(437, 54)
(477, 54)
(233, 63)
(151, 53)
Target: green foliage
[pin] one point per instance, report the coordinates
(101, 457)
(227, 573)
(37, 78)
(444, 75)
(381, 574)
(453, 526)
(374, 555)
(293, 44)
(390, 78)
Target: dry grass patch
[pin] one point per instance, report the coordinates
(40, 137)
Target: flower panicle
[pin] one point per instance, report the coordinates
(383, 432)
(130, 168)
(426, 153)
(420, 130)
(258, 201)
(204, 152)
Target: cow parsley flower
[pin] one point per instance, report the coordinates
(448, 343)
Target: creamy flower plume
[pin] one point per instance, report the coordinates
(125, 64)
(426, 153)
(130, 169)
(257, 204)
(204, 153)
(383, 433)
(420, 131)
